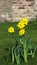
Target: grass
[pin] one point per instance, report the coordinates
(5, 45)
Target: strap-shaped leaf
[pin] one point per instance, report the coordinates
(33, 54)
(12, 56)
(17, 53)
(25, 52)
(17, 57)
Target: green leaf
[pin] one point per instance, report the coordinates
(12, 56)
(25, 52)
(33, 54)
(17, 59)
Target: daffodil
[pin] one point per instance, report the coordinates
(21, 32)
(25, 21)
(20, 25)
(11, 29)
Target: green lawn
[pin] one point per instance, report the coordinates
(5, 45)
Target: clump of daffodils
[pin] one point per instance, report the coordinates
(18, 49)
(22, 25)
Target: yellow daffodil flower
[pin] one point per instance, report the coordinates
(11, 29)
(25, 21)
(20, 25)
(21, 32)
